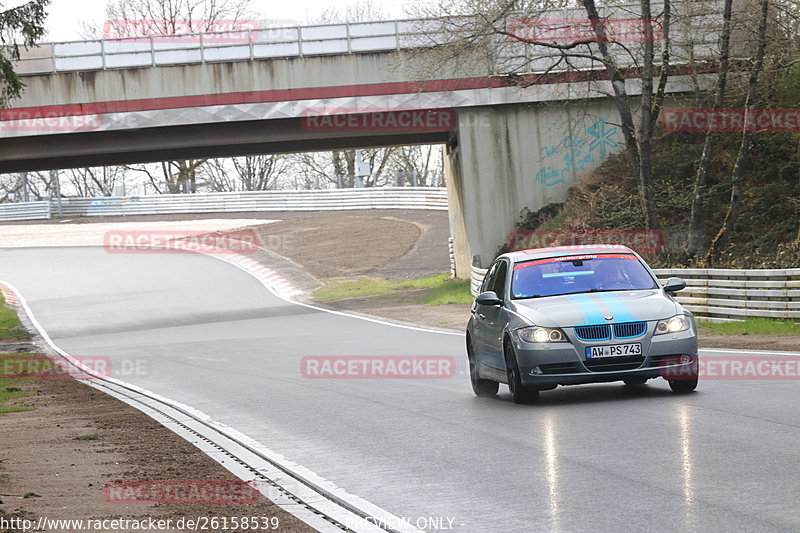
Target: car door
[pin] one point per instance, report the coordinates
(494, 318)
(479, 312)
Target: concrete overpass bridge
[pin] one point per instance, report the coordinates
(512, 141)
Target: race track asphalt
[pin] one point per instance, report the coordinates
(587, 458)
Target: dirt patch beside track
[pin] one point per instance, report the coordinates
(77, 439)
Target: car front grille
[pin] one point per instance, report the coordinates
(600, 332)
(613, 364)
(628, 330)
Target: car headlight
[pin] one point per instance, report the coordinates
(538, 334)
(673, 325)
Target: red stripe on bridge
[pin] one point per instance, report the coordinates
(286, 95)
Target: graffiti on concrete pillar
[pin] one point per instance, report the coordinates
(574, 153)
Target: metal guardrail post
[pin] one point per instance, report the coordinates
(300, 40)
(347, 31)
(152, 52)
(252, 46)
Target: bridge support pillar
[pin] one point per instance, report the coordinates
(504, 159)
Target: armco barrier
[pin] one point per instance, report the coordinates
(723, 295)
(313, 200)
(25, 211)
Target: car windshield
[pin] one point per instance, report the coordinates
(579, 273)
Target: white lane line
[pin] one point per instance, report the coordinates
(310, 478)
(758, 352)
(283, 296)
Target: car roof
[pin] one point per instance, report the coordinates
(562, 251)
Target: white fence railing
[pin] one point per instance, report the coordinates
(694, 26)
(233, 202)
(725, 294)
(25, 211)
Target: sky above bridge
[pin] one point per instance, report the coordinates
(66, 17)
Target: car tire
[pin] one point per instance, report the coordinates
(483, 388)
(519, 393)
(635, 382)
(683, 385)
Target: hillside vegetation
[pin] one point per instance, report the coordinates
(767, 233)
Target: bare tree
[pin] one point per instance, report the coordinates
(737, 177)
(95, 181)
(484, 30)
(25, 186)
(695, 217)
(249, 173)
(171, 17)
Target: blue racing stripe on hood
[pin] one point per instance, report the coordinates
(618, 307)
(589, 310)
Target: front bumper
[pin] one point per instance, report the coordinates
(547, 365)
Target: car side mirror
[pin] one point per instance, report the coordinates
(674, 285)
(488, 298)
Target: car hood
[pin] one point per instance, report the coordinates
(594, 308)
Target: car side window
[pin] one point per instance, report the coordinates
(488, 280)
(499, 285)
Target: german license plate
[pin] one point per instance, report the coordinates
(615, 350)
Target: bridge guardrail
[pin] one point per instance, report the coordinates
(267, 43)
(692, 28)
(25, 211)
(723, 295)
(232, 202)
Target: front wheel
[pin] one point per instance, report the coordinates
(683, 385)
(483, 388)
(519, 393)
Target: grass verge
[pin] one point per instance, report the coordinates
(441, 289)
(10, 327)
(753, 326)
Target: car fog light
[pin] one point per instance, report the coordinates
(686, 359)
(536, 371)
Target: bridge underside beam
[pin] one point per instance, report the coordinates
(226, 139)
